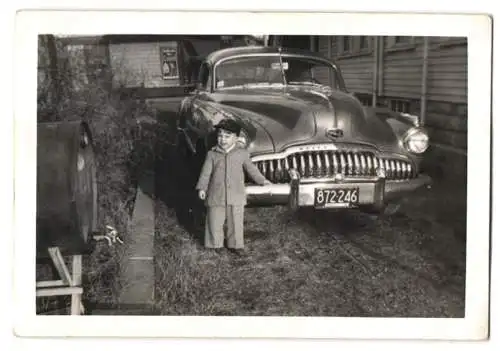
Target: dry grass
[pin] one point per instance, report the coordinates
(123, 150)
(323, 265)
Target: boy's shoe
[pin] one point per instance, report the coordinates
(216, 250)
(237, 252)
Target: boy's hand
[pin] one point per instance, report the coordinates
(267, 182)
(202, 195)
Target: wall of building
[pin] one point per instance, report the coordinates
(136, 64)
(395, 75)
(356, 63)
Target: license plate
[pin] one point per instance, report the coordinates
(336, 197)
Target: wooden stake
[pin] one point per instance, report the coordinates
(64, 290)
(50, 283)
(62, 269)
(69, 284)
(76, 298)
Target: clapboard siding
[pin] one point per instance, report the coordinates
(447, 74)
(135, 64)
(323, 45)
(335, 46)
(357, 73)
(446, 122)
(447, 137)
(401, 82)
(402, 71)
(322, 75)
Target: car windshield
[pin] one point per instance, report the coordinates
(270, 70)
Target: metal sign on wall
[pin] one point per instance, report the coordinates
(169, 63)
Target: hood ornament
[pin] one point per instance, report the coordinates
(334, 133)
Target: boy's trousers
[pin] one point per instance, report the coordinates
(214, 226)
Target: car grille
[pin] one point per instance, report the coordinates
(320, 164)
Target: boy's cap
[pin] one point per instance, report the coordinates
(229, 125)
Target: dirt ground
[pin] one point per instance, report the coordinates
(317, 263)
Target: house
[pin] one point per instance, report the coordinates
(425, 76)
(157, 65)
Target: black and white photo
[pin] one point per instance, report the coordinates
(289, 170)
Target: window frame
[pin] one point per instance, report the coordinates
(393, 46)
(401, 105)
(355, 47)
(453, 41)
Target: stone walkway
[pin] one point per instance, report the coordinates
(137, 264)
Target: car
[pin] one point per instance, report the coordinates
(313, 139)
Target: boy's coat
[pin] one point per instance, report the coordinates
(223, 171)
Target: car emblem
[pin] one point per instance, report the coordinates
(334, 133)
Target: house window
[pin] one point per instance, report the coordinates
(400, 39)
(364, 43)
(398, 43)
(400, 105)
(365, 100)
(346, 45)
(354, 45)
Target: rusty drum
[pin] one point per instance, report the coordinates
(66, 187)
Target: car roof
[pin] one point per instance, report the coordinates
(246, 50)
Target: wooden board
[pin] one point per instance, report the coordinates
(68, 284)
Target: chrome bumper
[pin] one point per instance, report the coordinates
(373, 191)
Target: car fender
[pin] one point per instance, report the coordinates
(198, 121)
(399, 122)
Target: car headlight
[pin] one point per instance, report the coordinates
(416, 140)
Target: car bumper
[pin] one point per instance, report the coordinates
(373, 192)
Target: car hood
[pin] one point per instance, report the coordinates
(283, 117)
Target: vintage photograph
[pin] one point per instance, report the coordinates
(258, 175)
(271, 175)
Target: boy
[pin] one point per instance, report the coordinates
(221, 185)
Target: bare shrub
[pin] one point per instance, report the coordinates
(77, 87)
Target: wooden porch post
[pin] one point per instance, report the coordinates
(311, 43)
(380, 69)
(425, 69)
(375, 70)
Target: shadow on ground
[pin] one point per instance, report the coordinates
(175, 187)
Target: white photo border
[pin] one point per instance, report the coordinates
(477, 29)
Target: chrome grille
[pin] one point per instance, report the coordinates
(320, 164)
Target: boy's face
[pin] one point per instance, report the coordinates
(226, 139)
